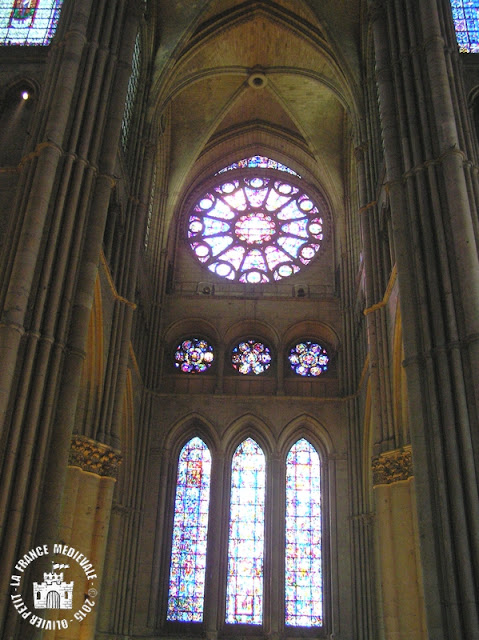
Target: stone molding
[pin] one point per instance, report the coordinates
(94, 457)
(392, 466)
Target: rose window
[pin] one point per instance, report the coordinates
(251, 357)
(194, 356)
(308, 359)
(255, 228)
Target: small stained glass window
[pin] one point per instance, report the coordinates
(258, 161)
(303, 566)
(465, 14)
(308, 359)
(251, 357)
(28, 22)
(255, 228)
(194, 355)
(190, 529)
(244, 591)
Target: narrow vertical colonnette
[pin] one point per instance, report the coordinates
(361, 541)
(438, 271)
(38, 388)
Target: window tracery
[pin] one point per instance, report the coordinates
(251, 357)
(253, 226)
(308, 358)
(194, 355)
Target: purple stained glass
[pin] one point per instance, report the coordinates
(251, 357)
(303, 567)
(308, 359)
(190, 529)
(194, 355)
(465, 14)
(254, 228)
(244, 590)
(28, 22)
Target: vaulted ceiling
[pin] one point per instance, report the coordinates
(275, 77)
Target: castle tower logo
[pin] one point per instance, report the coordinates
(53, 592)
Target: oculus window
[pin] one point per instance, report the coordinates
(256, 224)
(253, 555)
(251, 357)
(194, 355)
(308, 359)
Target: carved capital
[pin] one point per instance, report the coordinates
(94, 457)
(392, 466)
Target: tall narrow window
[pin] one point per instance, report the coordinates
(190, 529)
(303, 567)
(244, 592)
(131, 92)
(466, 21)
(28, 22)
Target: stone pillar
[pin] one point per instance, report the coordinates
(397, 542)
(87, 502)
(426, 152)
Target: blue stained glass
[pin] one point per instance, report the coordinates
(465, 14)
(264, 223)
(303, 566)
(244, 591)
(261, 162)
(28, 22)
(190, 529)
(308, 359)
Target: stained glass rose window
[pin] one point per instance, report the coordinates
(255, 227)
(308, 359)
(251, 357)
(194, 355)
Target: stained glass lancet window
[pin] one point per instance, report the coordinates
(131, 92)
(466, 21)
(28, 22)
(255, 228)
(303, 567)
(244, 591)
(190, 529)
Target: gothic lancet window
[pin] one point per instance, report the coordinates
(303, 565)
(190, 528)
(28, 22)
(244, 594)
(466, 21)
(254, 554)
(256, 223)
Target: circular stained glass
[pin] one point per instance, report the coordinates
(251, 357)
(194, 356)
(308, 359)
(255, 228)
